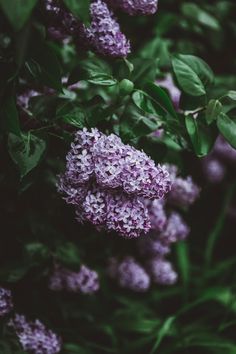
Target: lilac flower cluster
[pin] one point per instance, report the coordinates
(167, 228)
(34, 337)
(174, 92)
(61, 23)
(103, 35)
(6, 304)
(222, 158)
(184, 191)
(85, 281)
(129, 274)
(161, 271)
(136, 7)
(108, 183)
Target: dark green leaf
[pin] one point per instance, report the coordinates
(10, 116)
(183, 260)
(161, 98)
(79, 8)
(135, 124)
(26, 151)
(68, 254)
(44, 65)
(227, 127)
(201, 136)
(17, 11)
(213, 110)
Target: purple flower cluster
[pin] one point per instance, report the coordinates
(135, 7)
(61, 23)
(6, 304)
(184, 191)
(161, 271)
(129, 274)
(104, 34)
(34, 337)
(222, 158)
(167, 228)
(174, 92)
(85, 281)
(109, 181)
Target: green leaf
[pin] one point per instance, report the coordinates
(213, 110)
(26, 151)
(135, 124)
(37, 251)
(68, 254)
(102, 80)
(183, 260)
(232, 95)
(79, 8)
(161, 98)
(194, 12)
(10, 116)
(192, 74)
(71, 114)
(44, 65)
(163, 332)
(144, 70)
(201, 136)
(227, 127)
(17, 11)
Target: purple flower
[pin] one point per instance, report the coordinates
(61, 23)
(224, 150)
(85, 281)
(156, 213)
(104, 35)
(150, 245)
(129, 274)
(34, 337)
(6, 303)
(213, 169)
(135, 7)
(184, 191)
(161, 271)
(175, 229)
(24, 98)
(173, 90)
(107, 181)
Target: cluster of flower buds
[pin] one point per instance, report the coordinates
(34, 337)
(222, 158)
(85, 281)
(6, 303)
(103, 35)
(167, 228)
(109, 183)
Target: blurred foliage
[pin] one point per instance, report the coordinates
(198, 314)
